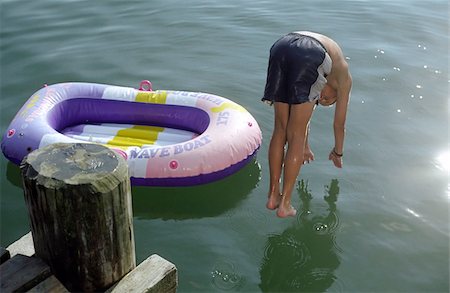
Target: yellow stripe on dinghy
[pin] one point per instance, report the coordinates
(227, 105)
(137, 135)
(158, 97)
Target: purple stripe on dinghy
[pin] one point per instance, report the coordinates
(89, 111)
(193, 180)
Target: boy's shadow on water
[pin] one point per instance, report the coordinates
(303, 258)
(208, 200)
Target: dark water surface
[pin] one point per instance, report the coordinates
(379, 224)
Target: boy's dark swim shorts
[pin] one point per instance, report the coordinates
(298, 65)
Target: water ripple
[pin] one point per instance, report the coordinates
(287, 247)
(225, 277)
(327, 225)
(317, 280)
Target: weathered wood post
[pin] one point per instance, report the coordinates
(79, 201)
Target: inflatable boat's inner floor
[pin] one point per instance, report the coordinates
(126, 135)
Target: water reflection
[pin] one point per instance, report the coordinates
(13, 174)
(304, 257)
(207, 200)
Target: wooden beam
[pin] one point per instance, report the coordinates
(24, 246)
(22, 273)
(49, 285)
(153, 275)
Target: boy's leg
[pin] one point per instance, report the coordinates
(299, 117)
(276, 153)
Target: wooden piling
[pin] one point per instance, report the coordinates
(79, 201)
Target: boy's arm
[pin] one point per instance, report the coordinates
(340, 115)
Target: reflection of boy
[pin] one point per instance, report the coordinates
(303, 258)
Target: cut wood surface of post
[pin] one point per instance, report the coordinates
(79, 201)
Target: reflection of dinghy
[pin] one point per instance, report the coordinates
(169, 138)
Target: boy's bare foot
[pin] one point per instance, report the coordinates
(286, 212)
(274, 201)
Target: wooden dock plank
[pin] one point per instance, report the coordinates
(22, 273)
(23, 246)
(153, 275)
(49, 285)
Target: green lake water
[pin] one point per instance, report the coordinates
(379, 224)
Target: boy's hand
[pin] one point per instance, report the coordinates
(308, 156)
(335, 158)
